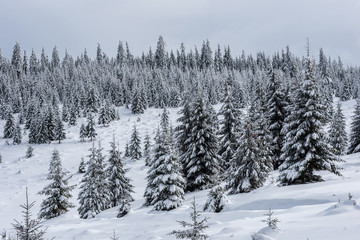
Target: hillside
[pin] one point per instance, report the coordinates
(311, 211)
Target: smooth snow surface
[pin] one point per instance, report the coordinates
(311, 211)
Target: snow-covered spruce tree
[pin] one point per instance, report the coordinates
(216, 199)
(120, 188)
(83, 133)
(65, 114)
(165, 178)
(183, 131)
(158, 151)
(9, 125)
(57, 192)
(124, 208)
(138, 104)
(305, 148)
(201, 161)
(337, 133)
(354, 142)
(29, 229)
(135, 145)
(147, 149)
(196, 226)
(59, 130)
(249, 168)
(29, 152)
(17, 134)
(93, 197)
(91, 102)
(276, 112)
(228, 133)
(82, 166)
(72, 116)
(106, 114)
(90, 127)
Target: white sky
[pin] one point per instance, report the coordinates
(252, 25)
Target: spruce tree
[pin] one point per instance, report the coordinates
(17, 134)
(57, 192)
(93, 197)
(216, 200)
(120, 188)
(276, 112)
(305, 149)
(83, 133)
(29, 229)
(72, 116)
(228, 132)
(90, 127)
(158, 151)
(337, 133)
(147, 150)
(165, 180)
(135, 145)
(249, 168)
(354, 142)
(59, 130)
(82, 166)
(124, 208)
(50, 123)
(201, 161)
(9, 125)
(29, 152)
(196, 226)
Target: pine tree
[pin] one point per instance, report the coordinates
(354, 142)
(57, 192)
(305, 149)
(59, 130)
(135, 145)
(196, 227)
(90, 127)
(276, 112)
(147, 150)
(201, 161)
(82, 166)
(29, 229)
(216, 200)
(337, 133)
(9, 125)
(228, 133)
(83, 133)
(17, 134)
(120, 188)
(248, 169)
(29, 152)
(92, 197)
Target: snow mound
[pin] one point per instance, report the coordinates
(266, 233)
(342, 207)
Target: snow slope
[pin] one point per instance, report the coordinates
(311, 211)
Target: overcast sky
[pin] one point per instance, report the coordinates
(252, 25)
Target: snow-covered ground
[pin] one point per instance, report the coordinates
(311, 211)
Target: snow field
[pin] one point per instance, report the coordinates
(310, 211)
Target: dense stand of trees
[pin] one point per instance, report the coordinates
(274, 111)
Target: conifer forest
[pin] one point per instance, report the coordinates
(121, 146)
